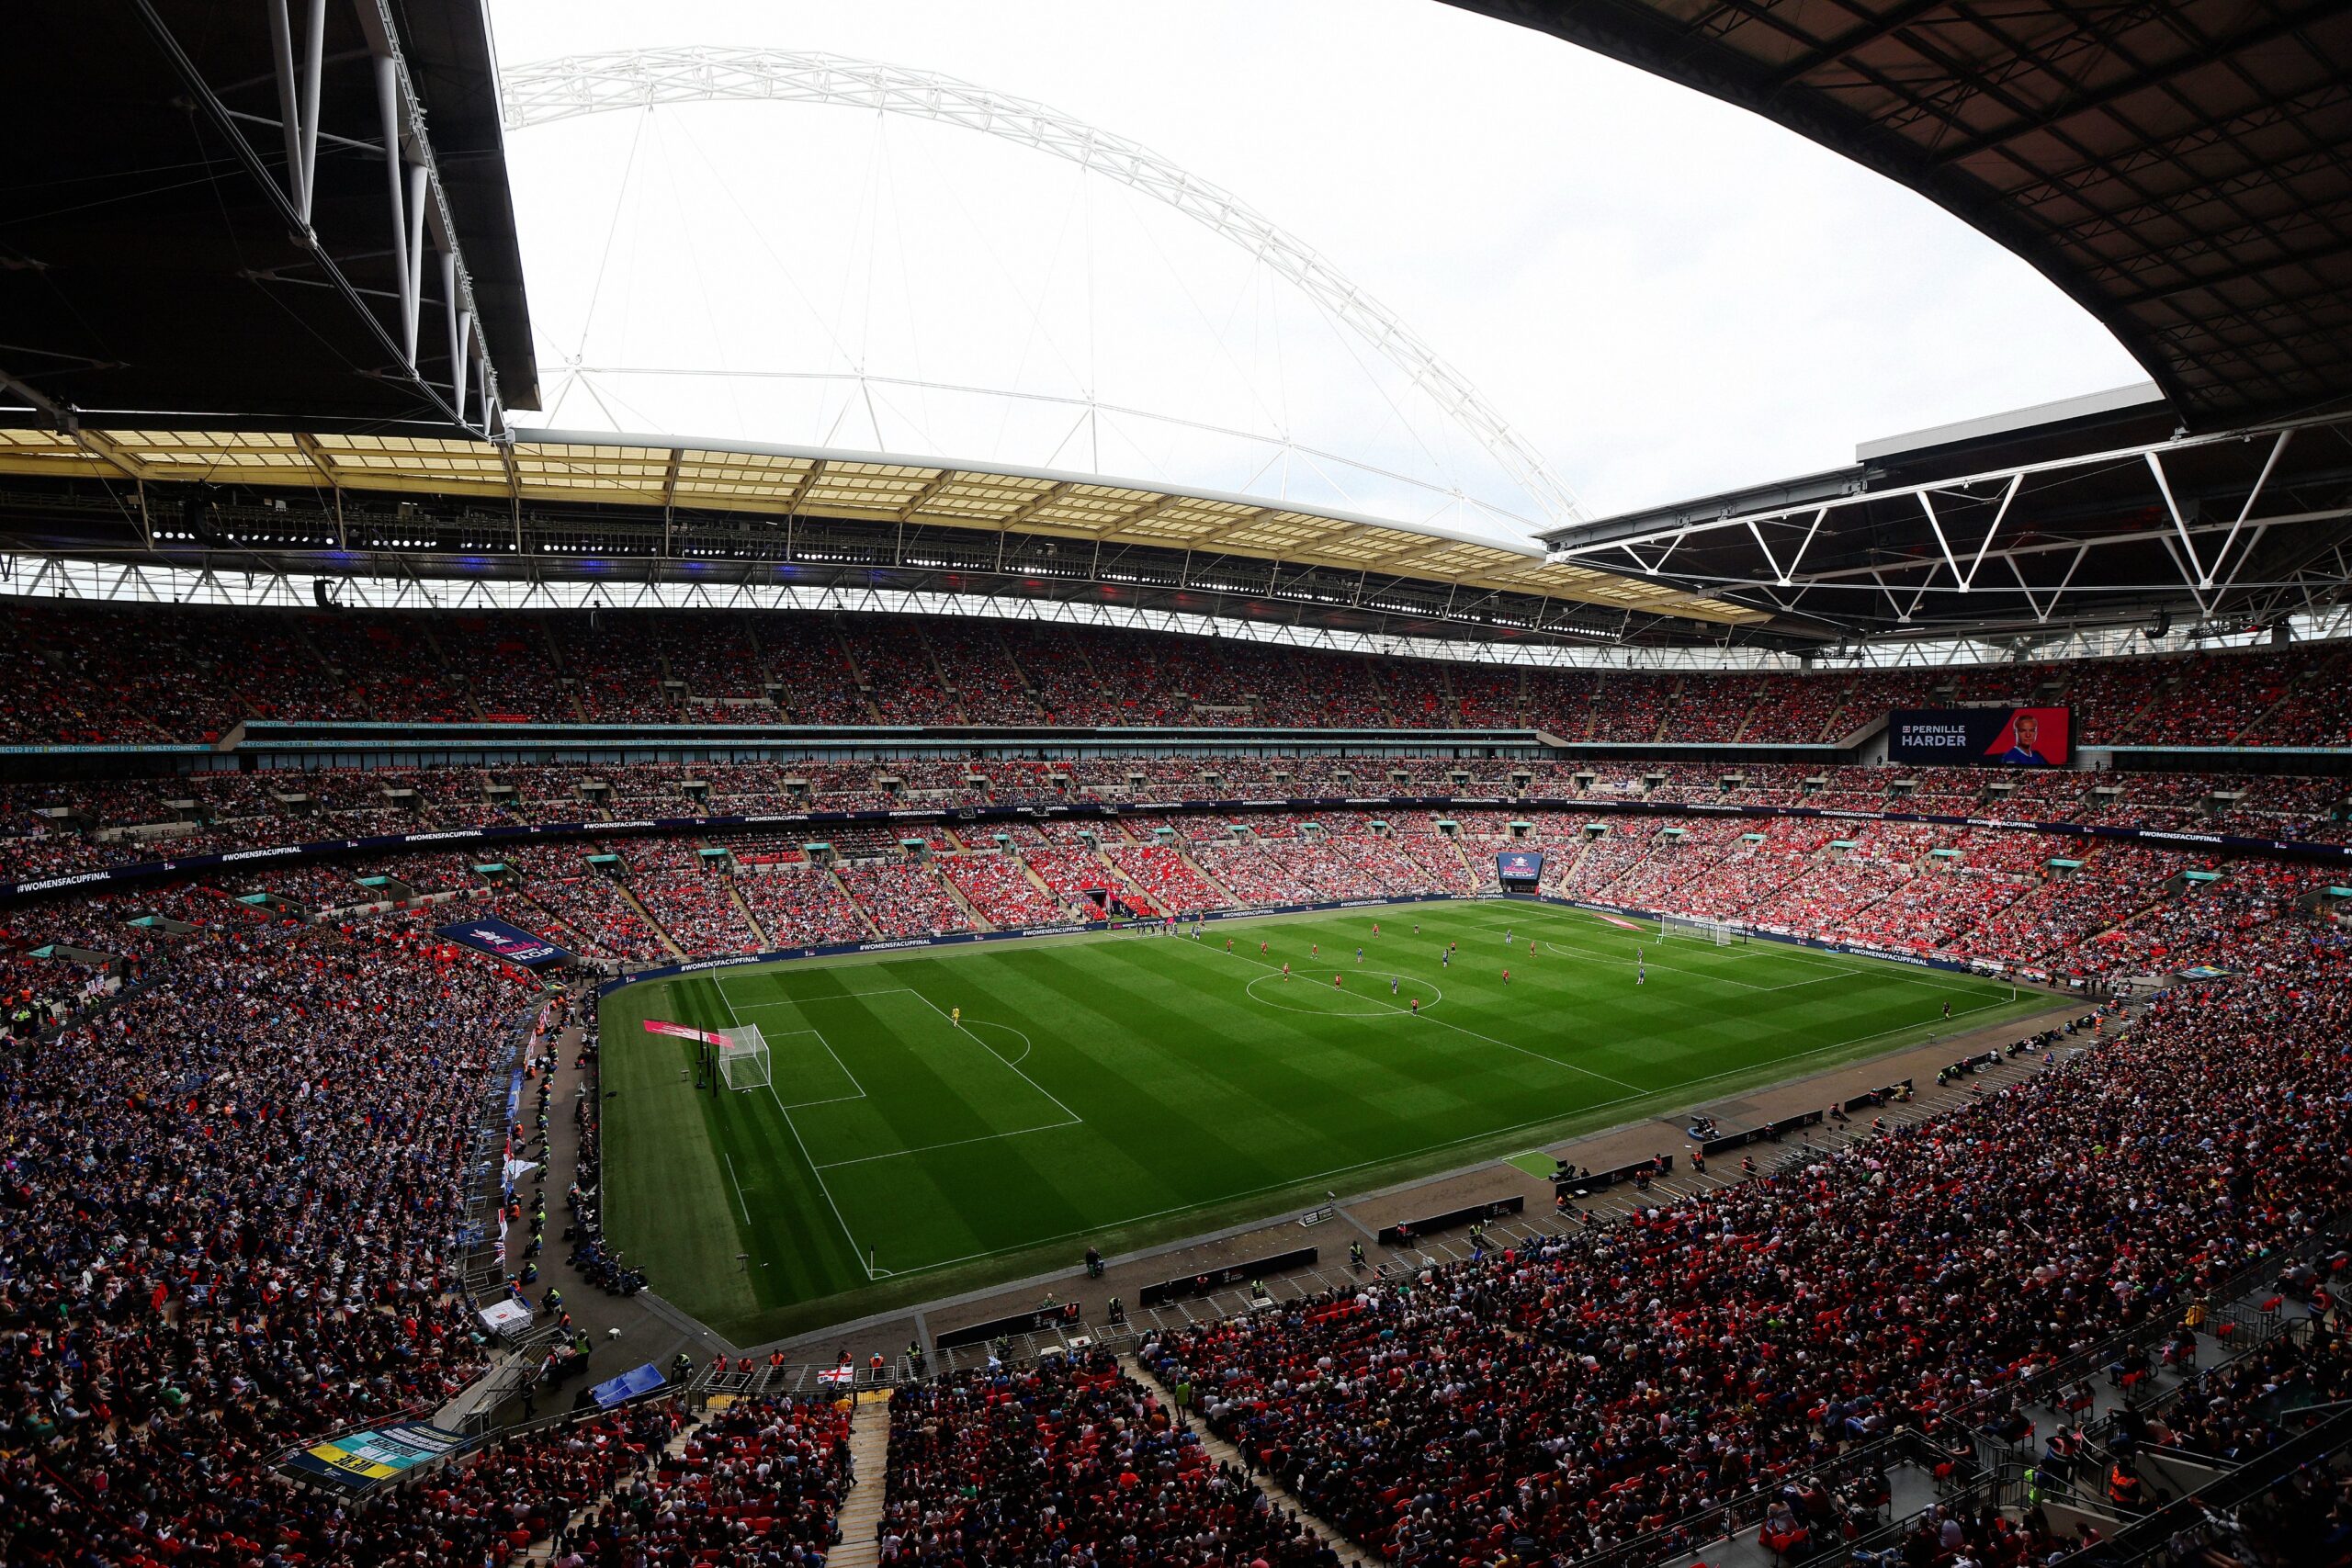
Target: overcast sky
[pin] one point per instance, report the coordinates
(1662, 295)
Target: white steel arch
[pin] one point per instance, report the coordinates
(542, 92)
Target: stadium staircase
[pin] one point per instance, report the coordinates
(939, 673)
(735, 897)
(1217, 1449)
(856, 672)
(864, 918)
(1138, 897)
(1197, 869)
(869, 1453)
(1013, 662)
(1035, 881)
(631, 899)
(955, 895)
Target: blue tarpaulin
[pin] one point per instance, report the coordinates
(628, 1386)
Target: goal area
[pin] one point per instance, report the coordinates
(1680, 927)
(743, 1057)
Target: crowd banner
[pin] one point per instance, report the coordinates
(361, 1461)
(1397, 1235)
(1201, 1284)
(2292, 849)
(500, 939)
(1066, 1315)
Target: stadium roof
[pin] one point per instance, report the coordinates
(560, 503)
(2182, 170)
(198, 220)
(2098, 510)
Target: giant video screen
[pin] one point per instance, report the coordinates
(1519, 865)
(1989, 737)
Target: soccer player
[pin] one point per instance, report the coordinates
(1641, 968)
(1375, 928)
(1506, 937)
(956, 1017)
(1228, 944)
(1360, 959)
(1416, 1007)
(1392, 985)
(1445, 959)
(1335, 983)
(1314, 950)
(1285, 968)
(1947, 1010)
(1506, 977)
(1262, 950)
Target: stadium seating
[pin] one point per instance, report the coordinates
(1068, 1460)
(233, 1139)
(192, 673)
(1598, 1388)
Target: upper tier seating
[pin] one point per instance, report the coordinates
(101, 674)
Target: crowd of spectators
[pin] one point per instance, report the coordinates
(997, 886)
(51, 828)
(229, 1211)
(904, 899)
(697, 909)
(801, 906)
(1069, 1462)
(1625, 1383)
(759, 1482)
(165, 673)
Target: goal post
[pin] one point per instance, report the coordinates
(1723, 933)
(743, 1058)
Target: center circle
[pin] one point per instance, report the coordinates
(1357, 1005)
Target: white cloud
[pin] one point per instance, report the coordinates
(1665, 295)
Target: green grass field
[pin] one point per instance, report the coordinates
(1123, 1090)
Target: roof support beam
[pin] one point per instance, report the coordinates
(922, 497)
(1036, 503)
(2287, 21)
(391, 83)
(2277, 450)
(298, 99)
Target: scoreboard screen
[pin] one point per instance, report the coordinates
(1987, 737)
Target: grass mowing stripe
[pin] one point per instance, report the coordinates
(1032, 1083)
(785, 1113)
(1489, 1039)
(1193, 1103)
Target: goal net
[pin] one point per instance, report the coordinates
(743, 1058)
(1677, 928)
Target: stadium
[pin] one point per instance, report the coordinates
(1204, 961)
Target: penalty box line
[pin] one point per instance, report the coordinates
(1070, 1118)
(857, 1253)
(785, 1034)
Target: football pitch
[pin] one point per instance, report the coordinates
(1121, 1089)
